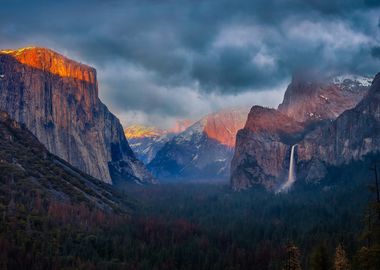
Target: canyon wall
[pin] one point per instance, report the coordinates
(317, 115)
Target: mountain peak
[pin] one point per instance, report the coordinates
(313, 99)
(223, 125)
(50, 61)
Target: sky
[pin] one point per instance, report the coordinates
(163, 60)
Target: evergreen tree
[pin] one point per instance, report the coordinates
(293, 258)
(320, 259)
(340, 260)
(369, 256)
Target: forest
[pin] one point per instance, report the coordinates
(198, 226)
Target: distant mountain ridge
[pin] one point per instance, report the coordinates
(57, 99)
(146, 141)
(203, 151)
(140, 131)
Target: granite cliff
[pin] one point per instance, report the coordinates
(352, 136)
(262, 148)
(309, 98)
(306, 117)
(28, 169)
(57, 99)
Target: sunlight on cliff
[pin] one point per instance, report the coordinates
(223, 126)
(50, 61)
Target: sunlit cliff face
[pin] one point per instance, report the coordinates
(57, 99)
(224, 125)
(49, 61)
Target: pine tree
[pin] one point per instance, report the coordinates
(340, 260)
(293, 258)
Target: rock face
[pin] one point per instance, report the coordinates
(305, 118)
(27, 166)
(309, 99)
(263, 148)
(203, 151)
(354, 134)
(57, 99)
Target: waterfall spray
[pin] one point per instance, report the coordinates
(291, 175)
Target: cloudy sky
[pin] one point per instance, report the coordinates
(162, 60)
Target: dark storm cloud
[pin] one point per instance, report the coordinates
(175, 50)
(375, 52)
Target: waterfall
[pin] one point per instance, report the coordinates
(292, 174)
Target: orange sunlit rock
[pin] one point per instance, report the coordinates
(224, 125)
(50, 61)
(262, 119)
(181, 125)
(140, 131)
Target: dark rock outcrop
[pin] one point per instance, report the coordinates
(57, 99)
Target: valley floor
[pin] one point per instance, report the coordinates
(222, 229)
(193, 226)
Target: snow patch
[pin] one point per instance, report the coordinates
(135, 144)
(361, 80)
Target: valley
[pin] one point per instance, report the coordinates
(190, 135)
